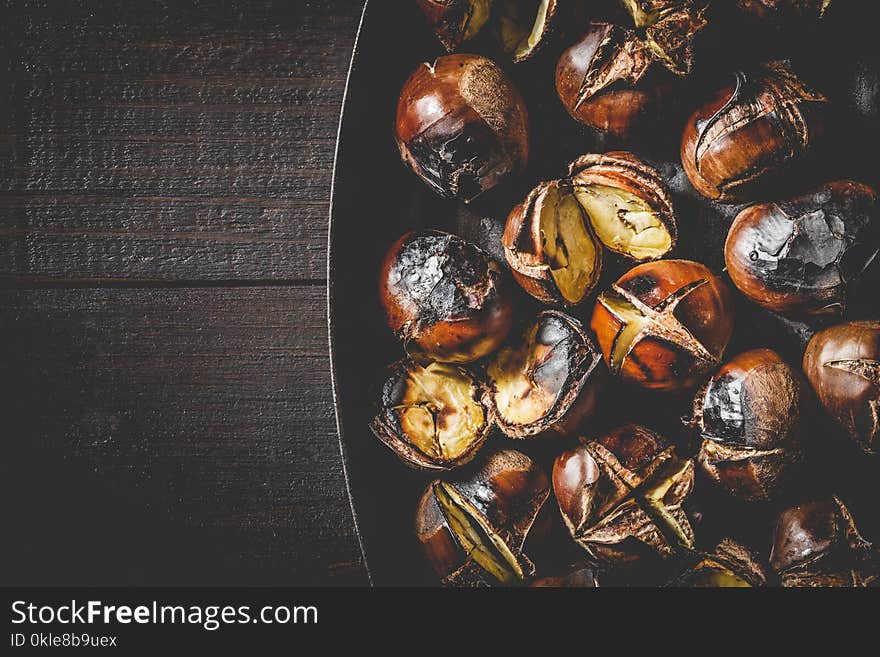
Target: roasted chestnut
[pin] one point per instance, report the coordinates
(670, 27)
(805, 255)
(432, 415)
(818, 544)
(462, 126)
(621, 494)
(578, 578)
(765, 9)
(473, 528)
(550, 246)
(445, 298)
(842, 364)
(628, 204)
(751, 415)
(604, 82)
(664, 324)
(729, 565)
(522, 26)
(751, 133)
(546, 379)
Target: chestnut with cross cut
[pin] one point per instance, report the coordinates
(474, 528)
(546, 379)
(751, 133)
(462, 126)
(806, 256)
(670, 27)
(817, 544)
(432, 415)
(621, 494)
(729, 565)
(751, 416)
(842, 364)
(664, 324)
(444, 297)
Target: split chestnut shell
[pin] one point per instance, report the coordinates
(432, 415)
(462, 125)
(473, 528)
(729, 565)
(444, 297)
(546, 379)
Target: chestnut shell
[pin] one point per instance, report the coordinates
(729, 565)
(505, 490)
(842, 363)
(805, 255)
(462, 126)
(751, 133)
(565, 374)
(444, 297)
(664, 324)
(751, 416)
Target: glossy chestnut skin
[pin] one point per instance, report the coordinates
(752, 133)
(804, 256)
(751, 416)
(620, 496)
(817, 544)
(432, 416)
(502, 494)
(604, 82)
(462, 126)
(664, 324)
(729, 565)
(842, 363)
(444, 297)
(546, 379)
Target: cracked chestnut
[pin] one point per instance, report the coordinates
(842, 364)
(432, 415)
(664, 324)
(546, 379)
(521, 27)
(751, 133)
(670, 27)
(462, 125)
(606, 81)
(805, 256)
(729, 565)
(444, 297)
(473, 529)
(621, 496)
(818, 545)
(751, 416)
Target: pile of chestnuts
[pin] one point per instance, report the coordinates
(528, 384)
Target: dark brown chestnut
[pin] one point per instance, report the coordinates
(445, 298)
(751, 416)
(729, 565)
(604, 82)
(621, 494)
(751, 133)
(462, 126)
(546, 379)
(456, 21)
(842, 364)
(804, 256)
(473, 529)
(670, 27)
(818, 544)
(776, 9)
(628, 204)
(581, 577)
(550, 246)
(664, 324)
(432, 416)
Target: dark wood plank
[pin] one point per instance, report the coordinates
(148, 141)
(177, 436)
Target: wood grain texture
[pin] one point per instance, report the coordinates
(191, 431)
(169, 141)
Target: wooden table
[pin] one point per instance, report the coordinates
(165, 178)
